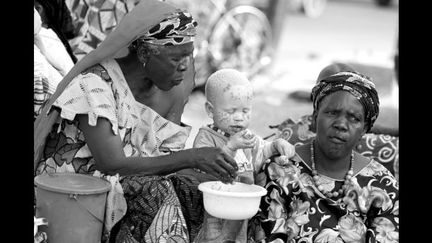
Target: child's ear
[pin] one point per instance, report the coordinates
(209, 109)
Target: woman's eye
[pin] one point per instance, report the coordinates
(355, 119)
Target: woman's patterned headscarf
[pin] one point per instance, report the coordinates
(177, 29)
(359, 85)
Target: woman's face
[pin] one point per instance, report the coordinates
(167, 69)
(340, 123)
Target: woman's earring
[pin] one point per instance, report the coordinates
(144, 64)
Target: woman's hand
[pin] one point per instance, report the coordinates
(215, 162)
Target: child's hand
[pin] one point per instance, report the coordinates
(282, 160)
(241, 140)
(283, 147)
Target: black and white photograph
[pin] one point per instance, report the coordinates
(216, 121)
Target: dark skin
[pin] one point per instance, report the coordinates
(166, 94)
(340, 124)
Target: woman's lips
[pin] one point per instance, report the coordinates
(337, 140)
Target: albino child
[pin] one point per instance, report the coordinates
(229, 103)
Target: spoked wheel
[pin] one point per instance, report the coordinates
(313, 8)
(241, 39)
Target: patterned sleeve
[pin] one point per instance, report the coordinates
(383, 215)
(40, 94)
(375, 196)
(88, 94)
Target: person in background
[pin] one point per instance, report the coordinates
(120, 118)
(51, 62)
(328, 192)
(229, 96)
(56, 16)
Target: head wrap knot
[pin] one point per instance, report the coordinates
(359, 85)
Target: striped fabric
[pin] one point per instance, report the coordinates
(41, 91)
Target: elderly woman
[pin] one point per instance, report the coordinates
(329, 192)
(120, 118)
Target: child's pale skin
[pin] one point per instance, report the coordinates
(231, 113)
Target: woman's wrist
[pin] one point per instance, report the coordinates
(190, 159)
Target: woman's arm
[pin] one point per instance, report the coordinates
(107, 150)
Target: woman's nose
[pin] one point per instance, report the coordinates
(183, 66)
(341, 123)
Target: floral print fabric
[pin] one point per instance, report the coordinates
(294, 210)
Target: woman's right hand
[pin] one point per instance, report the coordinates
(215, 162)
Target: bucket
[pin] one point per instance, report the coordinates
(73, 205)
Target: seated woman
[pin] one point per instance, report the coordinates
(329, 192)
(120, 118)
(380, 143)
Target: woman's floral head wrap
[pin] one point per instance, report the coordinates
(359, 85)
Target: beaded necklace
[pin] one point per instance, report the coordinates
(216, 129)
(316, 176)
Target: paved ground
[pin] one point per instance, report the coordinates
(354, 31)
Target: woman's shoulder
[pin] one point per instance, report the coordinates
(375, 171)
(99, 70)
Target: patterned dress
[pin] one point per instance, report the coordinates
(144, 208)
(294, 210)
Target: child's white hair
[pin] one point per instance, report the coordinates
(222, 80)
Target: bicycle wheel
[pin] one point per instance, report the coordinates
(241, 39)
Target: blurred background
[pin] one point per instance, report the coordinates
(362, 33)
(282, 45)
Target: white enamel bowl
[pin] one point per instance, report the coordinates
(235, 201)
